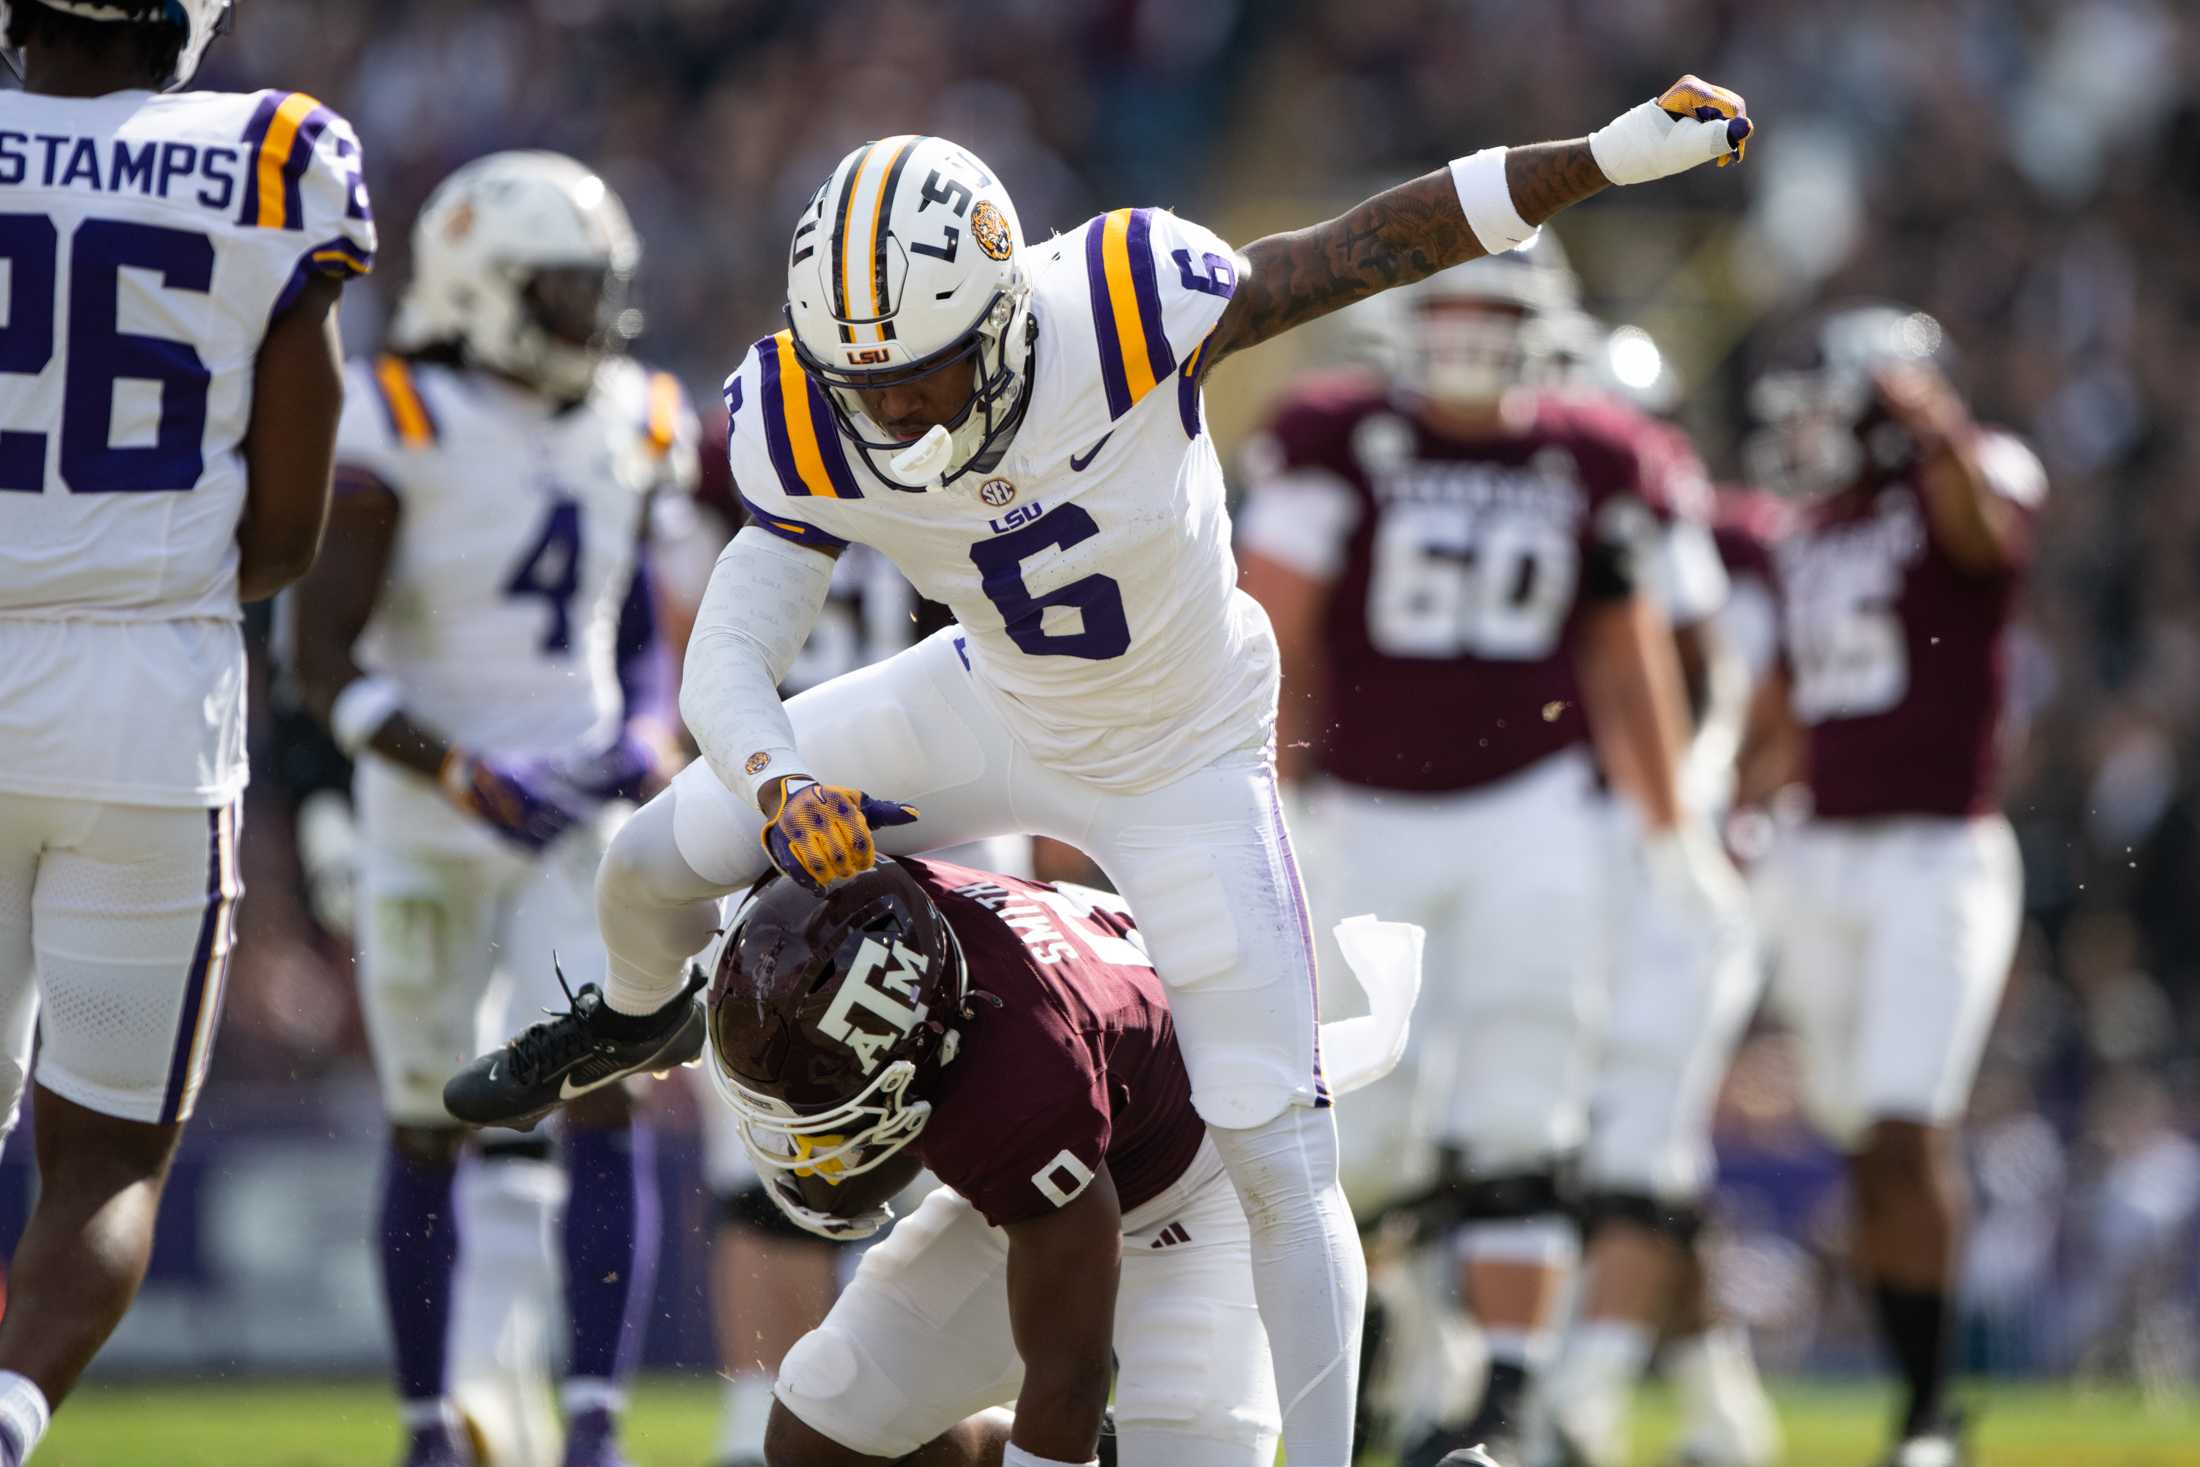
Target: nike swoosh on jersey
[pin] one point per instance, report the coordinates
(1078, 463)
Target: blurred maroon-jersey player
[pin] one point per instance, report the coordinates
(1014, 1038)
(1471, 575)
(1895, 909)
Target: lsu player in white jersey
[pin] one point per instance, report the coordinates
(494, 477)
(173, 262)
(1018, 426)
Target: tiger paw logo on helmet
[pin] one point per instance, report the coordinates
(990, 229)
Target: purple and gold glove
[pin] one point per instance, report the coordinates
(520, 799)
(821, 833)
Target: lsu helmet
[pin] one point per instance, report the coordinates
(907, 262)
(200, 21)
(1469, 334)
(827, 1015)
(525, 260)
(1819, 421)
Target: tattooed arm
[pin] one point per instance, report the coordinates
(1412, 231)
(1401, 235)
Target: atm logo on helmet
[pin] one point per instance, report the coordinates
(882, 982)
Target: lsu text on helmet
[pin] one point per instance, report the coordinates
(200, 21)
(1818, 421)
(524, 260)
(827, 1016)
(907, 262)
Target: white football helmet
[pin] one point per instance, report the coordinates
(1436, 345)
(524, 259)
(202, 20)
(1819, 423)
(906, 262)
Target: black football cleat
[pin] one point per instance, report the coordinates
(585, 1048)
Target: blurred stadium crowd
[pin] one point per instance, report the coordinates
(2027, 170)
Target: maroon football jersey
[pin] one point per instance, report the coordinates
(1897, 654)
(1070, 1060)
(1451, 624)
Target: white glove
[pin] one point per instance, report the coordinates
(826, 1225)
(1690, 124)
(1691, 877)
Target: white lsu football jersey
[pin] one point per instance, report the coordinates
(148, 243)
(1091, 569)
(517, 536)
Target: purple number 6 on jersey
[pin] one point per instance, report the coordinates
(1216, 275)
(1104, 631)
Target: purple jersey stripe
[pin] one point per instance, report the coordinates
(835, 458)
(1187, 397)
(801, 532)
(1112, 375)
(773, 405)
(255, 133)
(294, 167)
(194, 985)
(1139, 239)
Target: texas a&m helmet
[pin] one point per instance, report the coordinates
(827, 1017)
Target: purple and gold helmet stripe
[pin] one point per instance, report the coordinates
(903, 147)
(407, 410)
(840, 240)
(282, 134)
(1126, 307)
(208, 979)
(799, 428)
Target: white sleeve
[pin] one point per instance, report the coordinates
(764, 594)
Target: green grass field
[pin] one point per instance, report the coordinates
(351, 1425)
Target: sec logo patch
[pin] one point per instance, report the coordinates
(997, 492)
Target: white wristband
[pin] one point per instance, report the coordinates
(1016, 1456)
(1487, 201)
(360, 710)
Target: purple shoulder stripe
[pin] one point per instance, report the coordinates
(302, 149)
(1139, 239)
(255, 133)
(1112, 376)
(771, 404)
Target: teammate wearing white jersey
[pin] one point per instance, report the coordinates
(1018, 426)
(494, 477)
(173, 264)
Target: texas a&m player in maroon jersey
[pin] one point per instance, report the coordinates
(1012, 1037)
(1459, 564)
(1895, 909)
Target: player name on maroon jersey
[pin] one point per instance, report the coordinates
(1449, 635)
(1070, 1061)
(1898, 654)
